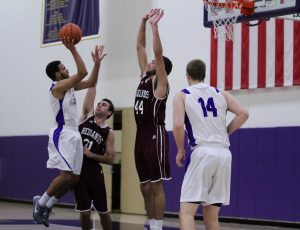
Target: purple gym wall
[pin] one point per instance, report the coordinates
(265, 173)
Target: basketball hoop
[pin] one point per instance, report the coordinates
(224, 14)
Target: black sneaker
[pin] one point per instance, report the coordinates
(45, 217)
(37, 212)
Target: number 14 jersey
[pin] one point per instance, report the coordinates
(205, 115)
(149, 111)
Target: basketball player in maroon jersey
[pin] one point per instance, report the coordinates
(98, 142)
(152, 143)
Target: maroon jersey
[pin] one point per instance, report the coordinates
(94, 138)
(149, 111)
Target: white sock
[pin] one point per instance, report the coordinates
(158, 224)
(151, 223)
(44, 199)
(53, 200)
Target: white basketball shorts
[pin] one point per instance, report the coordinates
(65, 149)
(207, 179)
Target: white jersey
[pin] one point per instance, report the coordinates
(64, 110)
(205, 118)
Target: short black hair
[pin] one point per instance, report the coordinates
(51, 69)
(168, 65)
(196, 69)
(110, 108)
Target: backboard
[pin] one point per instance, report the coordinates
(263, 9)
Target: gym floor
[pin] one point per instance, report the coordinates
(17, 216)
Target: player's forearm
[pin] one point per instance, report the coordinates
(178, 132)
(157, 46)
(88, 103)
(141, 38)
(81, 68)
(237, 122)
(103, 159)
(93, 79)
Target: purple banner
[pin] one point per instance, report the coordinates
(59, 12)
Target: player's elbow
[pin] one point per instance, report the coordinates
(111, 159)
(139, 46)
(83, 73)
(242, 117)
(92, 83)
(158, 53)
(177, 127)
(245, 115)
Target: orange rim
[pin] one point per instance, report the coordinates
(247, 8)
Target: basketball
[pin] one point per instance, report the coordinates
(72, 31)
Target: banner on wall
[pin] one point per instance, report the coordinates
(263, 56)
(57, 13)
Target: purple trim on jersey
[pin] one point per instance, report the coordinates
(52, 86)
(56, 135)
(217, 90)
(189, 130)
(186, 91)
(60, 119)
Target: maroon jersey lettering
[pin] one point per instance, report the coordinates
(149, 111)
(94, 138)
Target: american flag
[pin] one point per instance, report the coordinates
(263, 56)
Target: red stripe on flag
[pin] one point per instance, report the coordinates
(228, 65)
(261, 56)
(279, 52)
(296, 52)
(245, 57)
(213, 59)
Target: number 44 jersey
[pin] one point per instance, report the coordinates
(205, 115)
(149, 111)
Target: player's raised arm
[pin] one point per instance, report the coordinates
(88, 104)
(71, 82)
(161, 75)
(141, 45)
(97, 56)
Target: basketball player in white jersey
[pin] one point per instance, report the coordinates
(202, 110)
(65, 146)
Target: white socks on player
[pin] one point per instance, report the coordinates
(44, 199)
(53, 200)
(155, 224)
(48, 201)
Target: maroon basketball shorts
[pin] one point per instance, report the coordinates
(90, 193)
(152, 154)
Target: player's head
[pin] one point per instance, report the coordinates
(105, 108)
(57, 71)
(152, 66)
(196, 70)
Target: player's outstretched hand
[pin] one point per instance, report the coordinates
(149, 14)
(98, 55)
(155, 16)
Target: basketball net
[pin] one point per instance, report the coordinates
(224, 14)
